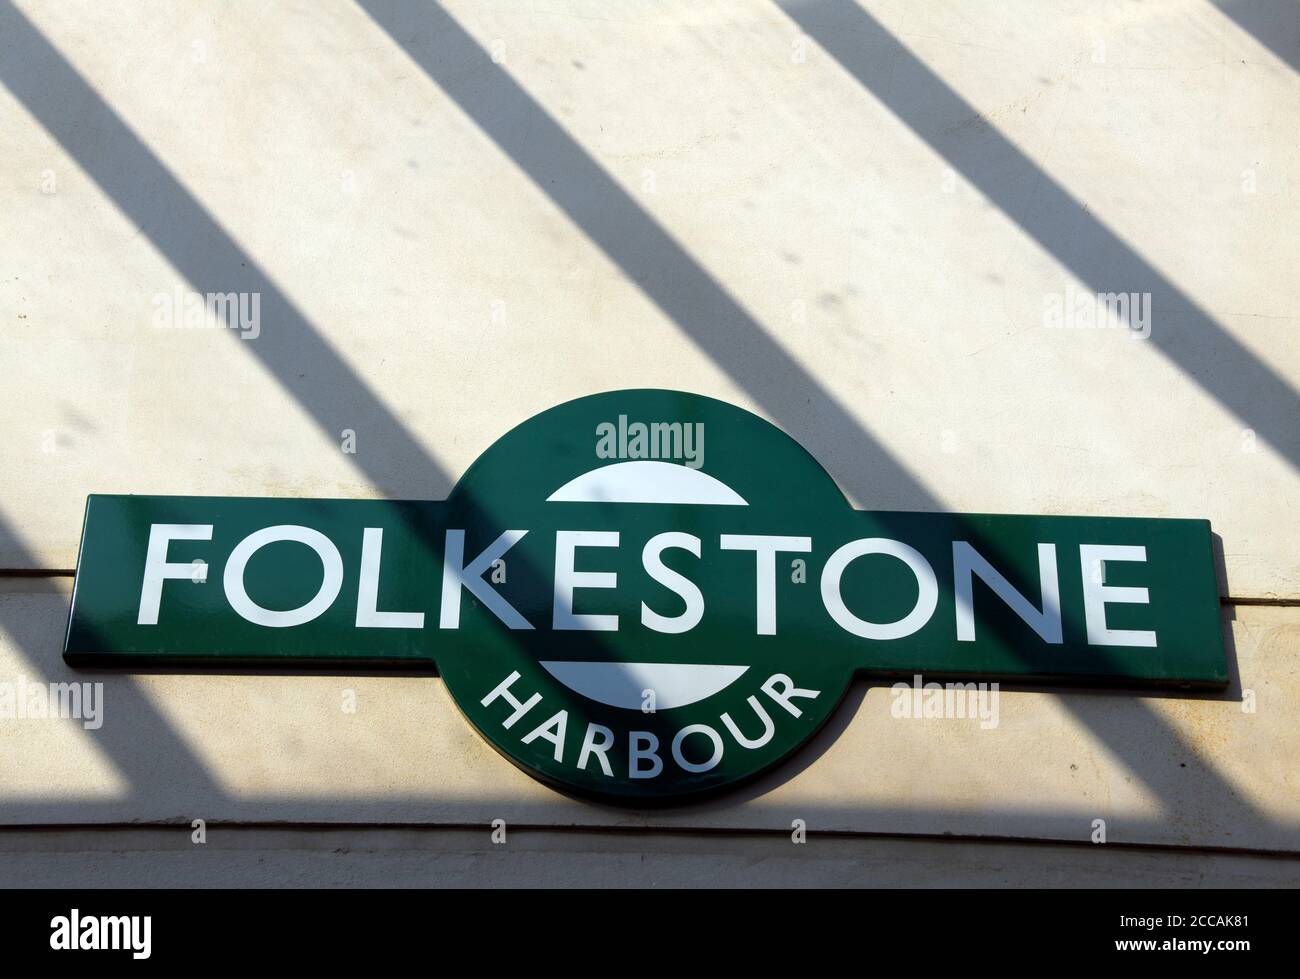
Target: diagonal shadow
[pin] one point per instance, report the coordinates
(300, 359)
(148, 742)
(699, 306)
(1273, 23)
(1059, 223)
(194, 243)
(142, 187)
(674, 281)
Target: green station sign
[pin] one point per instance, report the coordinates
(645, 595)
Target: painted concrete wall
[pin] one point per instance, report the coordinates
(853, 219)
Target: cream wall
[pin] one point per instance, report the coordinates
(845, 218)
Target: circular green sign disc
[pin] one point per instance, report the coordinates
(651, 629)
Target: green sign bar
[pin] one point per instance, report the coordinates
(638, 564)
